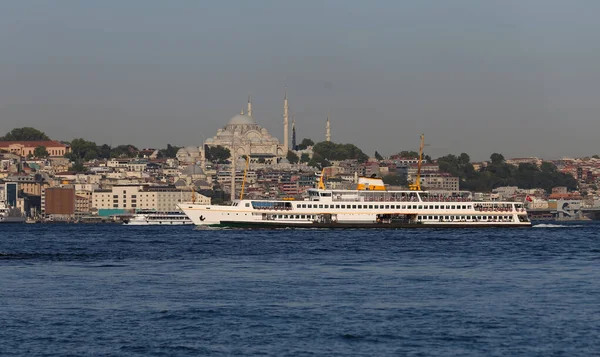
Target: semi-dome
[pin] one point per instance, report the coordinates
(241, 119)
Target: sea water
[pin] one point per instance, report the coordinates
(108, 290)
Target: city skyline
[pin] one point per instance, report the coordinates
(514, 78)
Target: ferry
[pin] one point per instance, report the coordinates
(9, 214)
(145, 218)
(370, 205)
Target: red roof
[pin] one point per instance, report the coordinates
(34, 144)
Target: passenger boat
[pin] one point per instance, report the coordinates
(9, 214)
(371, 205)
(144, 218)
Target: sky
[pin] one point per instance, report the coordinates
(518, 77)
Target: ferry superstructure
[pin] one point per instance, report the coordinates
(369, 206)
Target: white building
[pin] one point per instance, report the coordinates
(143, 197)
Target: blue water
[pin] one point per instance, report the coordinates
(104, 290)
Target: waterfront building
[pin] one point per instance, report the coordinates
(58, 203)
(439, 181)
(26, 148)
(144, 197)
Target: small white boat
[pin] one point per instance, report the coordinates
(145, 218)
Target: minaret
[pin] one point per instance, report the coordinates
(328, 131)
(249, 106)
(294, 133)
(286, 130)
(242, 112)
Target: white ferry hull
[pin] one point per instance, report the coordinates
(231, 216)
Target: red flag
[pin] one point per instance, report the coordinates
(528, 198)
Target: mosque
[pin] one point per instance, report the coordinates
(243, 136)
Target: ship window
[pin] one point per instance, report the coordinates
(344, 206)
(337, 206)
(447, 217)
(309, 206)
(285, 216)
(320, 206)
(326, 206)
(435, 217)
(353, 206)
(387, 206)
(304, 206)
(403, 206)
(453, 207)
(303, 216)
(420, 207)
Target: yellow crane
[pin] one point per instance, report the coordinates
(416, 186)
(321, 185)
(245, 174)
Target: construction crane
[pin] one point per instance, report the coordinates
(245, 174)
(416, 186)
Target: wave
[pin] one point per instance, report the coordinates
(550, 225)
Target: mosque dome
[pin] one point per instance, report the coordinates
(241, 120)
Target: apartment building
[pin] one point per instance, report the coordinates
(143, 197)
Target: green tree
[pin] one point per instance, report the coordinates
(24, 134)
(170, 151)
(304, 157)
(217, 153)
(595, 157)
(78, 167)
(497, 159)
(82, 149)
(40, 152)
(378, 156)
(292, 157)
(127, 150)
(305, 143)
(408, 154)
(327, 150)
(104, 151)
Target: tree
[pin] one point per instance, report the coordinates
(378, 156)
(104, 151)
(82, 149)
(408, 154)
(24, 134)
(327, 150)
(304, 157)
(217, 153)
(127, 150)
(497, 158)
(595, 157)
(170, 151)
(40, 152)
(78, 167)
(292, 157)
(305, 143)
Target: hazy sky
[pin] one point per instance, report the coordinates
(518, 77)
